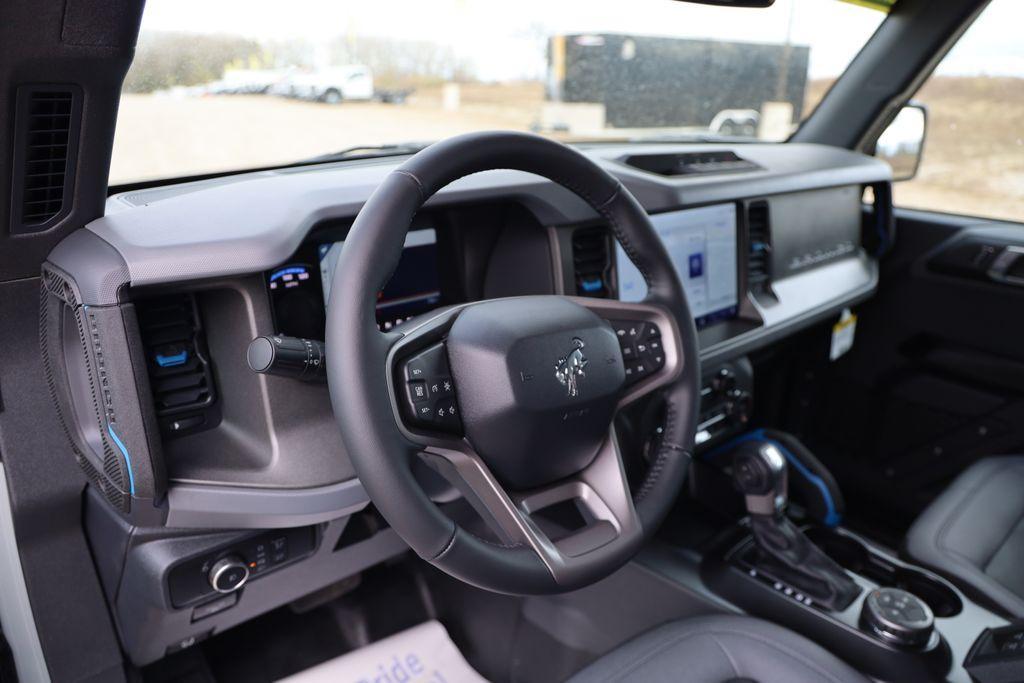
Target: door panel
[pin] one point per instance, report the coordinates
(935, 380)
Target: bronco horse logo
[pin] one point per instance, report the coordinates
(569, 369)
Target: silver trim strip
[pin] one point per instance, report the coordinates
(232, 507)
(16, 618)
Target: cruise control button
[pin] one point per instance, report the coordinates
(652, 331)
(440, 386)
(654, 346)
(418, 391)
(628, 352)
(425, 413)
(415, 369)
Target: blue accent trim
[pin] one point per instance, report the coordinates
(591, 285)
(173, 360)
(127, 458)
(832, 517)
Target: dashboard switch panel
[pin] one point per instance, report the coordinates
(429, 391)
(228, 569)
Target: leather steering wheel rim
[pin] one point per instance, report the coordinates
(359, 371)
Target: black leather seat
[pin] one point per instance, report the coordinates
(974, 534)
(719, 649)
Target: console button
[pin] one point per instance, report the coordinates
(898, 617)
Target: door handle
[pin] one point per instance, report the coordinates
(1008, 266)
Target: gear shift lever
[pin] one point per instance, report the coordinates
(784, 552)
(762, 476)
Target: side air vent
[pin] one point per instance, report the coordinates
(692, 163)
(48, 119)
(180, 375)
(759, 247)
(592, 261)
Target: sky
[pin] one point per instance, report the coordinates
(504, 40)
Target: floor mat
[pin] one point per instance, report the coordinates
(424, 653)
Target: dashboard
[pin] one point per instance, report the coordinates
(149, 311)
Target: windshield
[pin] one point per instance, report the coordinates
(222, 85)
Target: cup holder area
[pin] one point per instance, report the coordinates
(854, 556)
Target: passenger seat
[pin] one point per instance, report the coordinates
(973, 534)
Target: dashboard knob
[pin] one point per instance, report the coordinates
(898, 617)
(228, 574)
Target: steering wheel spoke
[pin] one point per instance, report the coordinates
(600, 494)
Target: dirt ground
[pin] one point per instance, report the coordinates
(973, 158)
(164, 135)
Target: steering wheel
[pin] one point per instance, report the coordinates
(512, 400)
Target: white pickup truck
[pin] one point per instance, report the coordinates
(334, 85)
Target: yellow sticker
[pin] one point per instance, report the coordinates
(842, 334)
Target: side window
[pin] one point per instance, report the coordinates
(973, 162)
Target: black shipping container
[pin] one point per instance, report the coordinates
(651, 82)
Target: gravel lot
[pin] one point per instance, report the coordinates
(163, 135)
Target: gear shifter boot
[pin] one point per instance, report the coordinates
(786, 554)
(783, 551)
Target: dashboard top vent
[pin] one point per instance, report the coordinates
(174, 342)
(759, 247)
(47, 125)
(692, 163)
(592, 261)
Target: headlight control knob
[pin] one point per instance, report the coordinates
(228, 574)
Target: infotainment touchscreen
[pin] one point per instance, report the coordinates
(702, 245)
(414, 287)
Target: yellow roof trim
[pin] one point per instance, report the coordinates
(880, 5)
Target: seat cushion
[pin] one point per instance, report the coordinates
(974, 534)
(717, 649)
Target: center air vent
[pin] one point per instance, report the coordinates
(47, 124)
(759, 247)
(592, 261)
(691, 163)
(180, 375)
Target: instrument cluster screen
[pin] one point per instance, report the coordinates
(702, 245)
(414, 288)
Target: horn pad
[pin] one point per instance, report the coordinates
(538, 382)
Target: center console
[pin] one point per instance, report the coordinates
(894, 620)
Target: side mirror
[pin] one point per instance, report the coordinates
(902, 142)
